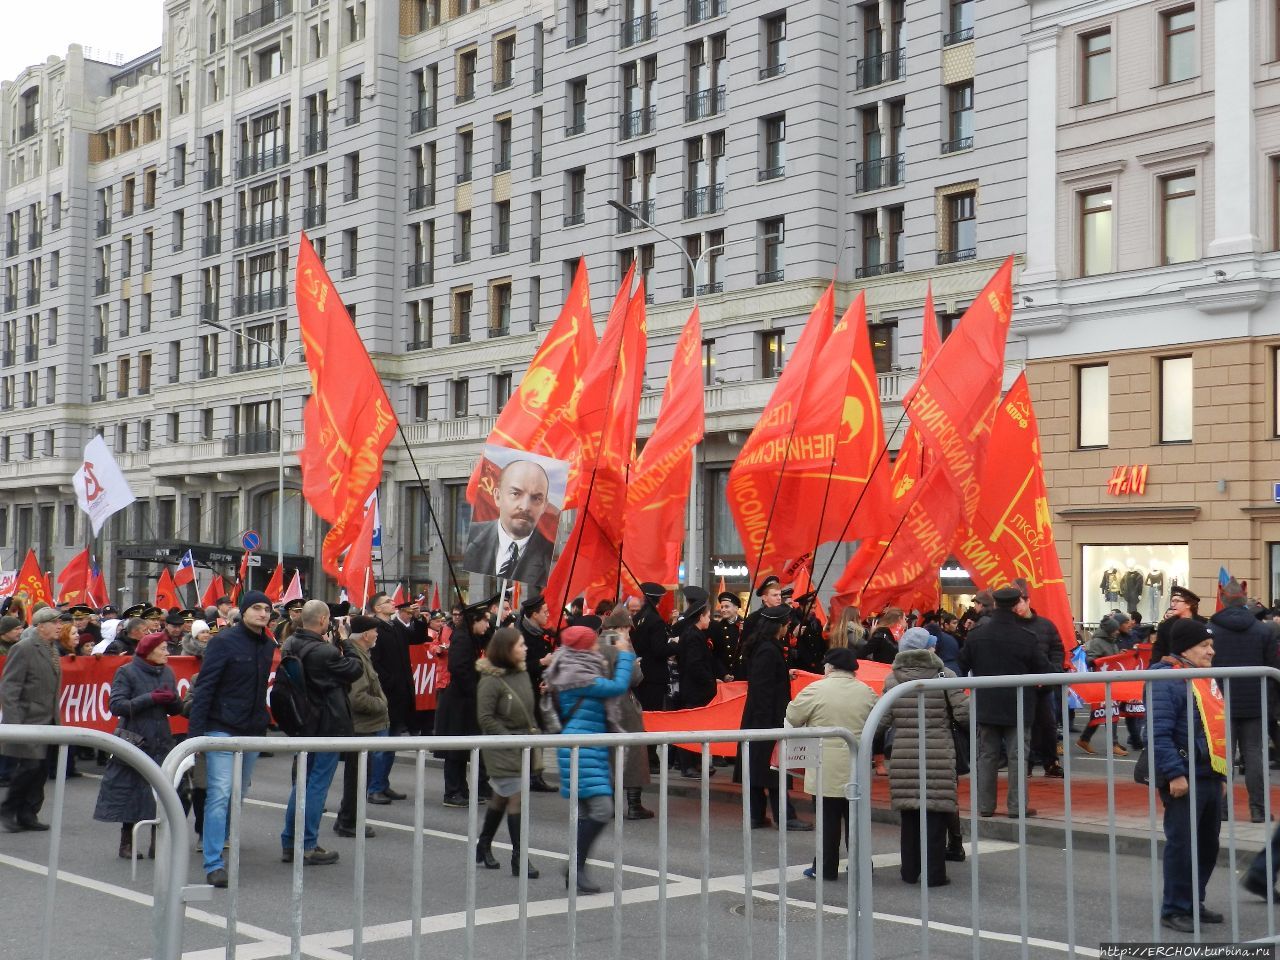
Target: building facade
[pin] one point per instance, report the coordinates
(452, 162)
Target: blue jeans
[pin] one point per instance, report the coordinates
(218, 770)
(320, 770)
(1258, 867)
(380, 764)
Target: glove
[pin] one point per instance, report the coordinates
(163, 696)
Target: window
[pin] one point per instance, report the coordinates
(466, 76)
(1095, 68)
(501, 226)
(466, 142)
(883, 344)
(959, 117)
(351, 174)
(1179, 30)
(206, 424)
(1178, 218)
(1176, 399)
(576, 106)
(775, 46)
(502, 144)
(144, 373)
(504, 61)
(500, 392)
(460, 321)
(459, 401)
(772, 234)
(896, 230)
(959, 21)
(577, 23)
(575, 196)
(178, 228)
(960, 229)
(421, 316)
(420, 400)
(350, 251)
(462, 245)
(772, 354)
(1095, 233)
(775, 141)
(1093, 405)
(870, 224)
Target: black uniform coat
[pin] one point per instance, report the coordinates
(726, 640)
(456, 709)
(768, 693)
(697, 667)
(653, 647)
(390, 657)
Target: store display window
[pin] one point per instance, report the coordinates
(1131, 577)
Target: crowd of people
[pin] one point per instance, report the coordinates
(505, 670)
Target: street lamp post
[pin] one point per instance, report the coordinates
(273, 356)
(693, 554)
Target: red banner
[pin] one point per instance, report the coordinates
(166, 592)
(32, 584)
(73, 581)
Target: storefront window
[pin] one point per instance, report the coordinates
(1131, 577)
(1273, 551)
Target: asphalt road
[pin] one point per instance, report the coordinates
(103, 913)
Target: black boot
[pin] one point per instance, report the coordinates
(126, 841)
(151, 847)
(513, 828)
(484, 854)
(588, 830)
(634, 809)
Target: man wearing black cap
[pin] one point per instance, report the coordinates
(1002, 645)
(726, 635)
(533, 624)
(174, 625)
(293, 612)
(807, 643)
(696, 664)
(653, 647)
(769, 591)
(1185, 606)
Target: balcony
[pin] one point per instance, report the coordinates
(463, 177)
(100, 286)
(33, 296)
(348, 272)
(882, 68)
(536, 166)
(503, 84)
(206, 373)
(773, 70)
(770, 173)
(27, 130)
(697, 11)
(704, 103)
(877, 269)
(462, 256)
(11, 248)
(30, 353)
(418, 345)
(266, 14)
(261, 232)
(464, 96)
(575, 219)
(638, 122)
(6, 358)
(770, 276)
(502, 165)
(257, 163)
(956, 256)
(313, 143)
(639, 29)
(248, 366)
(97, 397)
(34, 239)
(211, 245)
(878, 174)
(500, 248)
(957, 145)
(575, 40)
(957, 36)
(422, 196)
(28, 403)
(627, 222)
(209, 311)
(420, 274)
(576, 128)
(103, 228)
(314, 215)
(351, 196)
(213, 178)
(460, 336)
(148, 206)
(704, 200)
(99, 344)
(537, 79)
(11, 301)
(247, 303)
(422, 119)
(258, 441)
(703, 290)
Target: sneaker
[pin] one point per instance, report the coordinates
(455, 800)
(217, 878)
(31, 823)
(319, 856)
(811, 873)
(1054, 770)
(1087, 747)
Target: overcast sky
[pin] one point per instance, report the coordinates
(34, 30)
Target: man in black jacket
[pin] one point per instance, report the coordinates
(1044, 725)
(456, 708)
(653, 646)
(329, 673)
(1003, 645)
(390, 656)
(534, 625)
(229, 699)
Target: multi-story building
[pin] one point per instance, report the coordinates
(452, 162)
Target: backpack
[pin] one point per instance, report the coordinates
(290, 706)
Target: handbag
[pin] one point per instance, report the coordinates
(1142, 771)
(130, 737)
(959, 737)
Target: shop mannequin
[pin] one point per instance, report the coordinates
(1110, 585)
(1131, 582)
(1155, 592)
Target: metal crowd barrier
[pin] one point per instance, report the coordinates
(420, 746)
(860, 792)
(171, 858)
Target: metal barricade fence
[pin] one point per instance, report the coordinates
(171, 857)
(618, 742)
(1115, 925)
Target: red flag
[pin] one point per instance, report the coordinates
(757, 479)
(804, 584)
(358, 563)
(166, 591)
(1011, 534)
(97, 592)
(540, 416)
(658, 492)
(398, 597)
(608, 410)
(186, 572)
(73, 581)
(275, 586)
(435, 597)
(212, 592)
(722, 586)
(348, 421)
(32, 582)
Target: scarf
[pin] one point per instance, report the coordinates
(571, 669)
(1211, 708)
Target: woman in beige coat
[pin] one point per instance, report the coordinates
(917, 661)
(837, 700)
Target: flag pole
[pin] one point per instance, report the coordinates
(435, 523)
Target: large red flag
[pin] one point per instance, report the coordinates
(166, 591)
(608, 410)
(435, 597)
(756, 479)
(348, 421)
(358, 563)
(1011, 535)
(32, 582)
(275, 586)
(212, 592)
(658, 491)
(73, 581)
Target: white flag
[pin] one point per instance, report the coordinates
(100, 486)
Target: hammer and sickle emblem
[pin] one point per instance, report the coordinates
(92, 487)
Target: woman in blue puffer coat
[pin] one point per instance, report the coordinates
(589, 703)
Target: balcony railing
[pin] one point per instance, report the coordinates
(348, 272)
(704, 103)
(247, 366)
(209, 311)
(638, 122)
(421, 196)
(462, 256)
(210, 245)
(627, 222)
(205, 373)
(97, 397)
(956, 256)
(877, 269)
(502, 165)
(34, 239)
(259, 441)
(503, 84)
(101, 285)
(314, 215)
(770, 276)
(696, 11)
(881, 173)
(464, 96)
(252, 233)
(257, 163)
(257, 19)
(11, 248)
(503, 246)
(28, 403)
(639, 29)
(315, 142)
(351, 195)
(460, 337)
(575, 219)
(424, 118)
(770, 173)
(26, 130)
(575, 40)
(704, 200)
(703, 289)
(957, 36)
(273, 299)
(420, 274)
(463, 177)
(882, 68)
(955, 146)
(499, 330)
(104, 226)
(99, 344)
(30, 353)
(6, 358)
(213, 178)
(773, 70)
(575, 128)
(418, 345)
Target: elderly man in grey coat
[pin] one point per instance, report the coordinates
(29, 695)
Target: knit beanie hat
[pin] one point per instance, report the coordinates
(8, 623)
(917, 638)
(1108, 625)
(149, 643)
(1185, 634)
(579, 638)
(252, 597)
